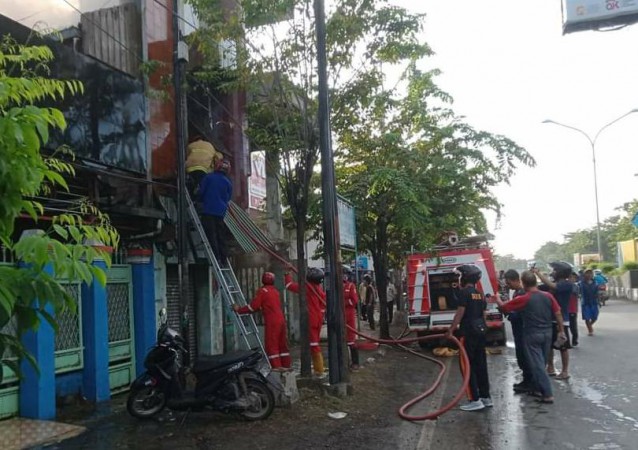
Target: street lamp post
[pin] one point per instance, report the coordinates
(592, 143)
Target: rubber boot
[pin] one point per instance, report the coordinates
(317, 364)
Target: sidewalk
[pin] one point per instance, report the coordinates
(371, 421)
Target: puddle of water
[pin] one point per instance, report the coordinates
(583, 389)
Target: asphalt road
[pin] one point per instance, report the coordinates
(596, 409)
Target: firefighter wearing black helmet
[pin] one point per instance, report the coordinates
(470, 315)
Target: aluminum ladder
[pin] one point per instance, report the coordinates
(230, 290)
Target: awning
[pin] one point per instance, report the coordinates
(249, 236)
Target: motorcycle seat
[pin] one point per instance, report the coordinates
(207, 363)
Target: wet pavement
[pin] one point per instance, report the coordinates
(596, 409)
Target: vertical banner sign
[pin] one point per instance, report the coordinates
(346, 223)
(257, 181)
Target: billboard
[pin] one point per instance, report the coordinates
(581, 15)
(257, 181)
(347, 226)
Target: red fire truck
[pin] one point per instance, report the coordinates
(432, 283)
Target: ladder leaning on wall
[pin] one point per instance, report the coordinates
(229, 288)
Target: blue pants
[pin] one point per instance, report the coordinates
(537, 346)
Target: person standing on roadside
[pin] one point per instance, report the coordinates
(470, 318)
(538, 309)
(351, 300)
(316, 304)
(561, 288)
(573, 310)
(513, 283)
(367, 295)
(391, 292)
(589, 293)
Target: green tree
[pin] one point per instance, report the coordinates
(414, 170)
(279, 70)
(30, 294)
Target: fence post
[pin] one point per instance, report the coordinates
(143, 272)
(95, 334)
(37, 390)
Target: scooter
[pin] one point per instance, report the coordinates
(603, 295)
(229, 383)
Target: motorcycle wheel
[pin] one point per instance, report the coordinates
(145, 402)
(261, 401)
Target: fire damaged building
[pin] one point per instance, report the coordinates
(125, 134)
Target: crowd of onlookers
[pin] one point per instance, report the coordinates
(543, 311)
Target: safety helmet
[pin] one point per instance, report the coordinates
(222, 165)
(562, 269)
(469, 273)
(268, 278)
(367, 277)
(598, 272)
(314, 275)
(347, 272)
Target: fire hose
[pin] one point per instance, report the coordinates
(400, 343)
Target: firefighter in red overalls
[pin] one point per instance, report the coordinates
(316, 301)
(351, 299)
(267, 300)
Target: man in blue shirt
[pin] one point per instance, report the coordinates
(215, 192)
(589, 292)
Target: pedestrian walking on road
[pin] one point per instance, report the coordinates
(538, 309)
(470, 315)
(512, 282)
(267, 300)
(316, 303)
(589, 293)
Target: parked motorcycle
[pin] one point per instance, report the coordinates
(230, 383)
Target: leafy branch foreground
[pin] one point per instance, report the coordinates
(32, 290)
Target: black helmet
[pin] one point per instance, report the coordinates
(561, 269)
(314, 275)
(469, 273)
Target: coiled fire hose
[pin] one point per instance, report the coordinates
(464, 362)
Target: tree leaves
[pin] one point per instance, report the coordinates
(31, 293)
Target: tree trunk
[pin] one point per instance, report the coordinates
(380, 253)
(304, 329)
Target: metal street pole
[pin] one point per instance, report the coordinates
(592, 143)
(337, 354)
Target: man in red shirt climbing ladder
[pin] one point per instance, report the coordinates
(316, 301)
(267, 300)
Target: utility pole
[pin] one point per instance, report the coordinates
(180, 58)
(337, 353)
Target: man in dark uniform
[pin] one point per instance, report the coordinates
(215, 192)
(513, 282)
(470, 315)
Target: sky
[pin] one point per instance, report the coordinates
(508, 67)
